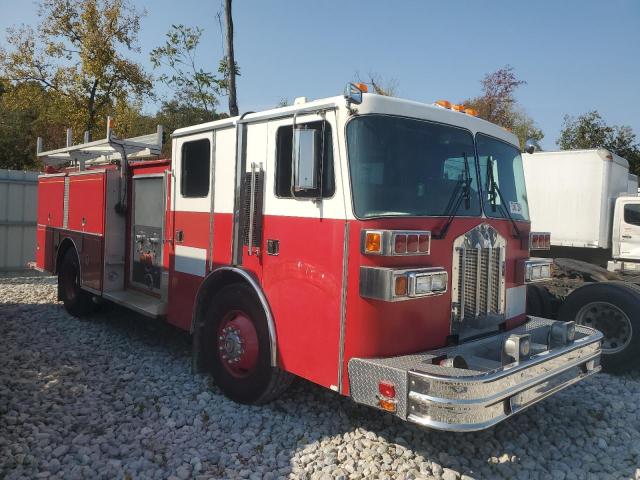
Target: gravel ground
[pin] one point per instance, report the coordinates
(114, 397)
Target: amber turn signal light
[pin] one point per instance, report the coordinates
(388, 405)
(401, 284)
(373, 243)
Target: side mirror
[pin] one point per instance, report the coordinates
(531, 146)
(306, 153)
(353, 93)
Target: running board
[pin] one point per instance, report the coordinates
(145, 304)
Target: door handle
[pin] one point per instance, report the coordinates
(626, 236)
(179, 235)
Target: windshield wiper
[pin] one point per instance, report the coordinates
(460, 193)
(493, 189)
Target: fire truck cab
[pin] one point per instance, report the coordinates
(375, 246)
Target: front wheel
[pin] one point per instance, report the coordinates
(76, 301)
(614, 309)
(238, 347)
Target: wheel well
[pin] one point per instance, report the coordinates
(217, 280)
(65, 245)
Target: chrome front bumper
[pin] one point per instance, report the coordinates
(486, 392)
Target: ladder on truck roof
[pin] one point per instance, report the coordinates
(103, 151)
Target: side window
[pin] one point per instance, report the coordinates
(196, 167)
(284, 147)
(632, 214)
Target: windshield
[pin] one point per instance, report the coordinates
(408, 167)
(501, 164)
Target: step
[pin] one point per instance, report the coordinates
(145, 304)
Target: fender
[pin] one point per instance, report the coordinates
(251, 281)
(67, 243)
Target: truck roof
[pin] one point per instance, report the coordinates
(371, 103)
(602, 153)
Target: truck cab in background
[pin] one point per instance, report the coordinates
(625, 237)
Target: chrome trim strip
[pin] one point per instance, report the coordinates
(241, 158)
(214, 144)
(463, 268)
(252, 213)
(489, 292)
(478, 277)
(343, 305)
(501, 282)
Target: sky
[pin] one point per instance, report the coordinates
(576, 56)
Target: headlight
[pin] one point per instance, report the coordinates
(561, 334)
(516, 348)
(393, 285)
(428, 282)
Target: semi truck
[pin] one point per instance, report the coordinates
(375, 246)
(588, 201)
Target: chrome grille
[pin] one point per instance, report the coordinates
(478, 286)
(479, 283)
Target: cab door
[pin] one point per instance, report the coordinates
(629, 211)
(303, 250)
(192, 226)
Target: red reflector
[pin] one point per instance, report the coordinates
(412, 243)
(387, 389)
(423, 243)
(400, 244)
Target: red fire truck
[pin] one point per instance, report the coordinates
(375, 246)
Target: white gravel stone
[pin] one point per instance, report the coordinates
(113, 396)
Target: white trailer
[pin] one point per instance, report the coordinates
(589, 202)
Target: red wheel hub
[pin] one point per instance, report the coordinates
(238, 344)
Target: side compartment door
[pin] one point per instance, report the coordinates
(629, 229)
(192, 193)
(304, 235)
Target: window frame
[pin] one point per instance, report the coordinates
(484, 193)
(182, 168)
(475, 167)
(624, 213)
(277, 156)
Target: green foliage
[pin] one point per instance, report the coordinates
(76, 54)
(194, 87)
(589, 130)
(498, 104)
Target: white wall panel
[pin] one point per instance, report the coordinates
(18, 207)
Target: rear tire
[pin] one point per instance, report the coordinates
(539, 302)
(237, 348)
(614, 309)
(77, 302)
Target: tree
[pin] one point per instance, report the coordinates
(498, 104)
(193, 86)
(380, 86)
(28, 110)
(77, 52)
(589, 130)
(231, 67)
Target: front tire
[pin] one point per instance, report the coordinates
(614, 309)
(238, 349)
(76, 301)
